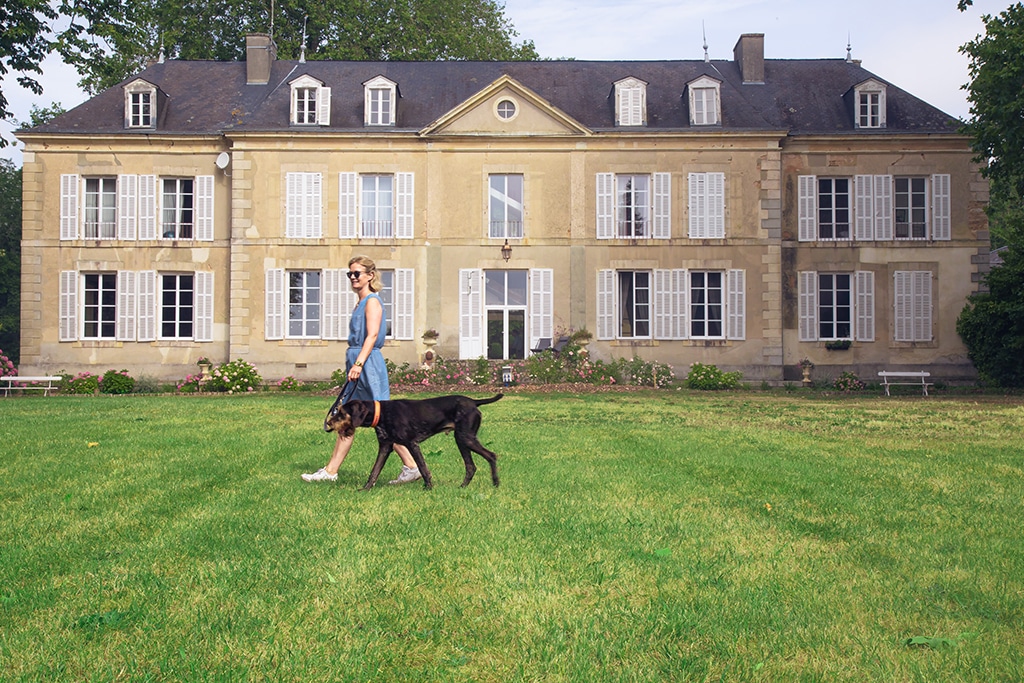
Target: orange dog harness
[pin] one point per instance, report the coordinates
(376, 413)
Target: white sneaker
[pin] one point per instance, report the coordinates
(320, 475)
(408, 474)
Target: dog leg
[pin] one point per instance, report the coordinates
(417, 455)
(382, 457)
(469, 442)
(467, 457)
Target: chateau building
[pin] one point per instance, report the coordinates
(747, 213)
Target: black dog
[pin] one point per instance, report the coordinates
(407, 423)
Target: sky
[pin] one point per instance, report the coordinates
(913, 44)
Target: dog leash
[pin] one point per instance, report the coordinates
(350, 388)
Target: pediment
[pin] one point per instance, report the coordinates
(506, 108)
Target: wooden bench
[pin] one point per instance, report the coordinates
(913, 378)
(20, 383)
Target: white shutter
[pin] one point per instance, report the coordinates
(736, 288)
(864, 207)
(204, 208)
(541, 304)
(807, 208)
(147, 305)
(312, 199)
(348, 216)
(127, 305)
(662, 206)
(334, 280)
(349, 300)
(865, 305)
(606, 304)
(302, 205)
(471, 340)
(127, 211)
(698, 206)
(808, 305)
(941, 228)
(204, 306)
(605, 206)
(147, 208)
(404, 194)
(902, 305)
(68, 304)
(405, 285)
(69, 207)
(716, 205)
(670, 304)
(883, 207)
(273, 315)
(323, 106)
(922, 293)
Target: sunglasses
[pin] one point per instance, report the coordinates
(354, 274)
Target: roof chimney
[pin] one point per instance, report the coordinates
(260, 53)
(749, 56)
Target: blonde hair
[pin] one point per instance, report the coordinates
(366, 262)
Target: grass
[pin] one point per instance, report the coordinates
(648, 536)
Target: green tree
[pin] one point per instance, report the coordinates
(992, 323)
(334, 29)
(10, 259)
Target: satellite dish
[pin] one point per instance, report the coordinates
(223, 159)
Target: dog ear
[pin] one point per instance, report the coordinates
(358, 412)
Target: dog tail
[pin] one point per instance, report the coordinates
(485, 401)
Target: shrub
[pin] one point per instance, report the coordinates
(234, 377)
(448, 372)
(147, 384)
(82, 383)
(6, 365)
(597, 372)
(545, 368)
(481, 372)
(116, 382)
(190, 384)
(709, 378)
(847, 381)
(289, 383)
(638, 372)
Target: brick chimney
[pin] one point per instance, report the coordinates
(260, 53)
(749, 56)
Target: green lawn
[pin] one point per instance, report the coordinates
(649, 536)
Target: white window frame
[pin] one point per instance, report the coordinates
(840, 231)
(179, 309)
(862, 302)
(178, 208)
(472, 311)
(501, 197)
(107, 284)
(377, 216)
(630, 102)
(658, 225)
(870, 104)
(912, 306)
(705, 98)
(707, 305)
(707, 205)
(140, 105)
(916, 201)
(350, 191)
(304, 309)
(100, 207)
(379, 102)
(310, 102)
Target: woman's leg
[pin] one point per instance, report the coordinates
(406, 456)
(341, 449)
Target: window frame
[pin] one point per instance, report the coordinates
(315, 100)
(870, 105)
(379, 110)
(370, 212)
(300, 310)
(834, 195)
(106, 191)
(630, 102)
(105, 308)
(178, 306)
(502, 197)
(183, 212)
(140, 105)
(707, 305)
(840, 313)
(911, 195)
(705, 101)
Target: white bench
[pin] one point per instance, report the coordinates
(20, 383)
(913, 378)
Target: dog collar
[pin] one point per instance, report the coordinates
(376, 413)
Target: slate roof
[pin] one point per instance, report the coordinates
(798, 97)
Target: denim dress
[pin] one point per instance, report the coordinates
(373, 381)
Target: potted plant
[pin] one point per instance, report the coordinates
(838, 344)
(806, 365)
(430, 337)
(204, 366)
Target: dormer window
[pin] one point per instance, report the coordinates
(869, 98)
(140, 105)
(705, 102)
(630, 102)
(311, 102)
(380, 94)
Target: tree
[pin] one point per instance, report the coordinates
(333, 29)
(10, 259)
(992, 323)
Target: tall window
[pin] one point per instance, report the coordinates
(834, 208)
(178, 208)
(634, 205)
(380, 107)
(304, 303)
(100, 208)
(705, 106)
(634, 303)
(869, 109)
(140, 109)
(506, 206)
(910, 202)
(631, 102)
(305, 105)
(387, 300)
(835, 306)
(177, 306)
(378, 202)
(505, 298)
(706, 304)
(100, 305)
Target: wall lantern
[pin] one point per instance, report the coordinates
(506, 251)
